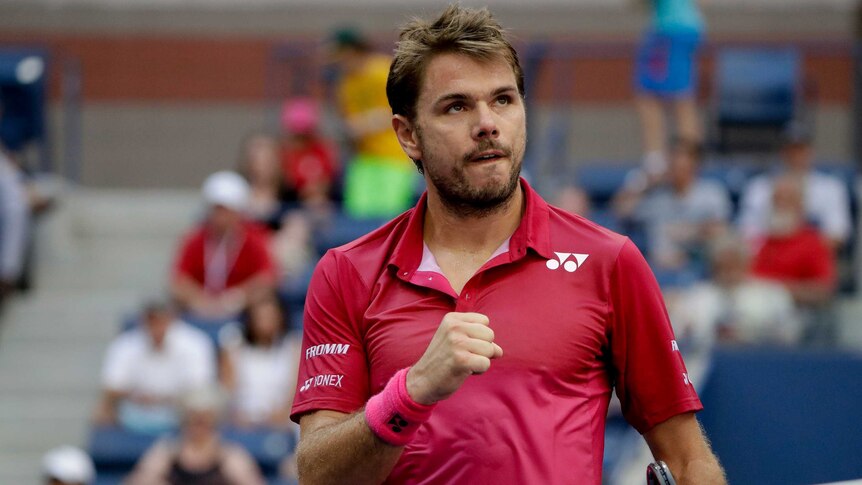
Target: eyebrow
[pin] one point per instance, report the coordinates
(461, 96)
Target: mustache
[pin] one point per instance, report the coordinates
(486, 145)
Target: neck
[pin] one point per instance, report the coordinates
(472, 233)
(201, 444)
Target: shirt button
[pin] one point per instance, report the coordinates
(404, 273)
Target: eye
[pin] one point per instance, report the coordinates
(455, 108)
(504, 100)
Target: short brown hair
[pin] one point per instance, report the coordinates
(472, 32)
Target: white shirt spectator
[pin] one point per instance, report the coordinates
(754, 312)
(666, 214)
(185, 362)
(14, 221)
(827, 205)
(264, 377)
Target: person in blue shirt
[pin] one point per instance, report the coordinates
(666, 77)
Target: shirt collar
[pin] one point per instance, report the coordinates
(532, 233)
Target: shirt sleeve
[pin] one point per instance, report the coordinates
(333, 369)
(835, 211)
(651, 380)
(189, 259)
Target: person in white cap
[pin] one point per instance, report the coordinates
(226, 260)
(67, 465)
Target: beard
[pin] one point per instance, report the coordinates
(464, 199)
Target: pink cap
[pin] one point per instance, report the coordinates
(300, 115)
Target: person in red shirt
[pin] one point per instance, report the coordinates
(477, 337)
(794, 252)
(224, 261)
(308, 161)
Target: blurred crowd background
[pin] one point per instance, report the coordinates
(170, 172)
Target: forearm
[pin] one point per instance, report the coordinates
(703, 471)
(343, 452)
(186, 291)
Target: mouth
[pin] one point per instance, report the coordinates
(488, 156)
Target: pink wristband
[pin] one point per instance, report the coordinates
(393, 415)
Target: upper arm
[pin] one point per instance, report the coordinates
(153, 466)
(333, 370)
(240, 467)
(650, 376)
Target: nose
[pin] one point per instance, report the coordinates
(486, 123)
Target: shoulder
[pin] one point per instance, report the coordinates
(369, 254)
(128, 343)
(711, 187)
(189, 337)
(566, 226)
(825, 184)
(760, 184)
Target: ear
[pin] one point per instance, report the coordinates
(407, 137)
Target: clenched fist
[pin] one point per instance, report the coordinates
(463, 345)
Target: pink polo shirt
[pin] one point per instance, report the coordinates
(575, 308)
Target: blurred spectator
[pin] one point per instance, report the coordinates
(259, 164)
(148, 368)
(225, 261)
(679, 215)
(308, 161)
(293, 246)
(666, 74)
(379, 179)
(67, 465)
(259, 366)
(14, 224)
(573, 199)
(794, 253)
(734, 306)
(198, 456)
(826, 201)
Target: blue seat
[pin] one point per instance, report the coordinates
(267, 446)
(602, 180)
(341, 230)
(115, 450)
(757, 93)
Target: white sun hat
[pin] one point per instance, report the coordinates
(69, 465)
(227, 189)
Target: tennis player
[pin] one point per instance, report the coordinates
(477, 337)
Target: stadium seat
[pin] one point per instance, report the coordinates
(601, 180)
(22, 96)
(757, 92)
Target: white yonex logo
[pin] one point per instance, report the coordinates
(307, 384)
(570, 265)
(333, 380)
(326, 349)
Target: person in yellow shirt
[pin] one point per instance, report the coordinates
(380, 180)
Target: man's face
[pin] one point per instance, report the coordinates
(797, 156)
(222, 219)
(157, 325)
(682, 168)
(469, 132)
